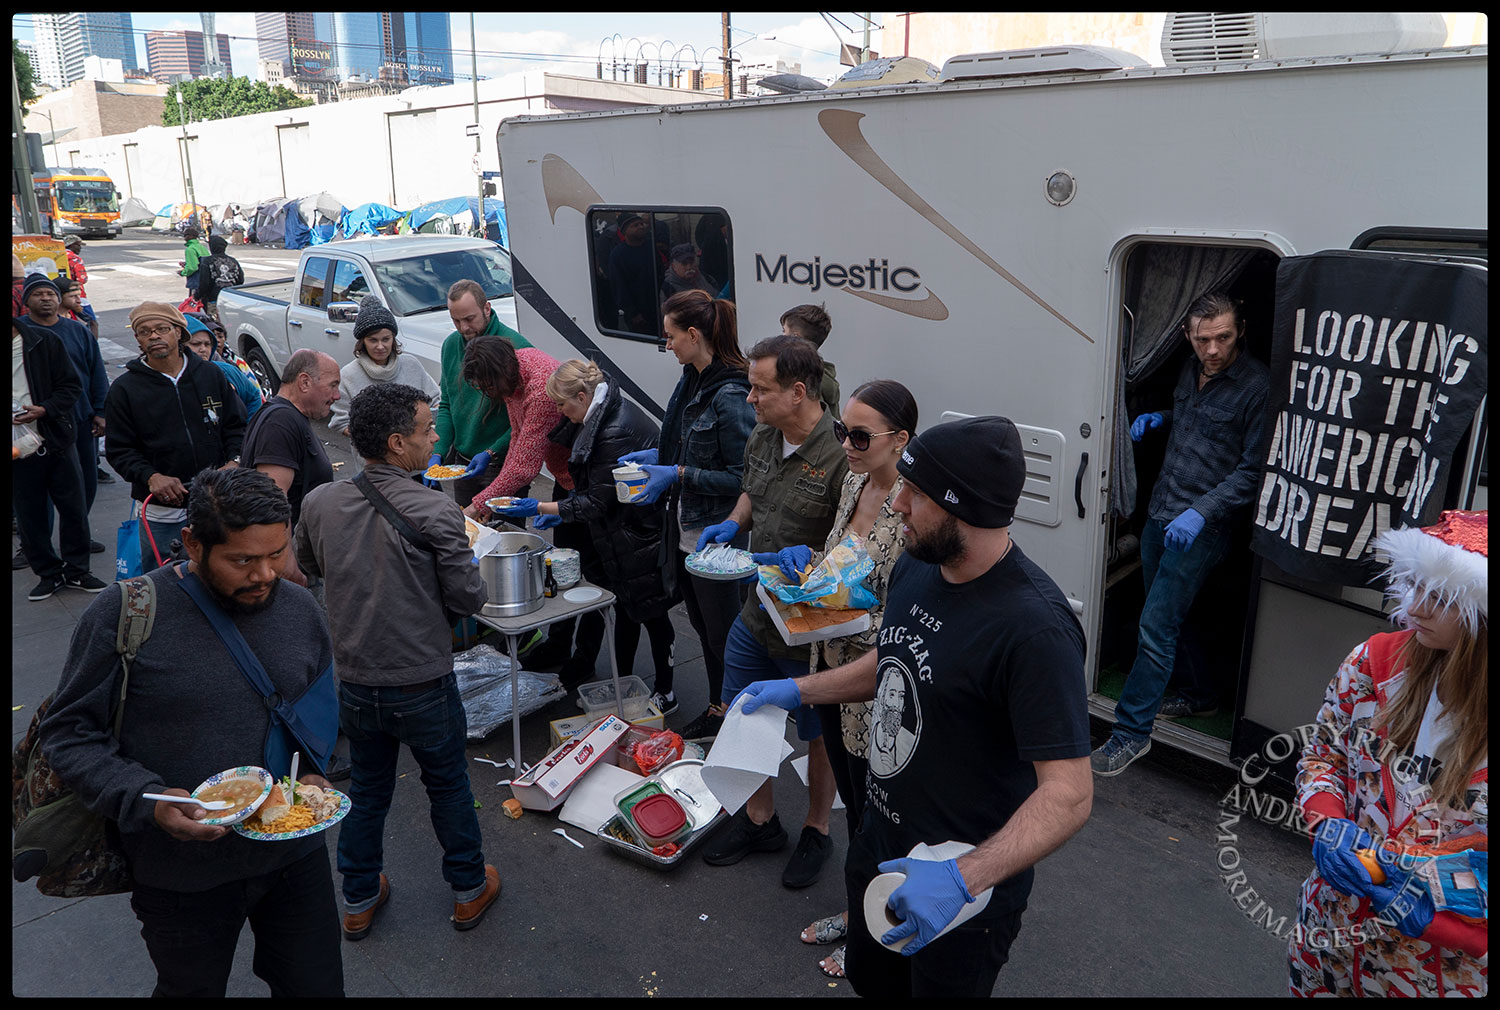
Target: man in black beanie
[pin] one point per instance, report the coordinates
(981, 705)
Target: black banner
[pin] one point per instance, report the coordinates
(1378, 365)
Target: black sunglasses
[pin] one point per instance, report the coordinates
(860, 440)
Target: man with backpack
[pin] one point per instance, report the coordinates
(220, 270)
(190, 712)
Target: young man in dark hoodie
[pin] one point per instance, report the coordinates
(169, 416)
(44, 388)
(220, 270)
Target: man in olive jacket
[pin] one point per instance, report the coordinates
(390, 611)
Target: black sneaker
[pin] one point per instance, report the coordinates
(806, 864)
(87, 582)
(105, 477)
(19, 561)
(1178, 707)
(45, 588)
(744, 837)
(705, 727)
(95, 547)
(666, 704)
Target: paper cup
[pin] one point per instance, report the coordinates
(630, 482)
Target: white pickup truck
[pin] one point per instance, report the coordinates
(316, 308)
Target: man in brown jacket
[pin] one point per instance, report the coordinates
(397, 566)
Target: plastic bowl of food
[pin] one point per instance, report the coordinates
(246, 787)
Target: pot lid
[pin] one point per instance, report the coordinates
(659, 816)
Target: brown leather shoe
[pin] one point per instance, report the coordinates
(357, 924)
(466, 914)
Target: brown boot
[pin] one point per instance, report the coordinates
(466, 914)
(357, 924)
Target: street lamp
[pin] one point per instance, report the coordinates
(51, 131)
(187, 157)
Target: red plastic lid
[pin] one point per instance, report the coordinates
(659, 816)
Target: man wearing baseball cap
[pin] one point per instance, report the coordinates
(982, 712)
(169, 416)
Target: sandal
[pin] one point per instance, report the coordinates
(827, 930)
(837, 957)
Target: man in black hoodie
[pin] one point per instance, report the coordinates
(169, 416)
(44, 388)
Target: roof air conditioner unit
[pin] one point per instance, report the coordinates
(1223, 37)
(1040, 62)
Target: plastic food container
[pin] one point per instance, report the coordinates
(684, 780)
(598, 698)
(653, 815)
(633, 736)
(630, 482)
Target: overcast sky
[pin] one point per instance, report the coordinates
(757, 38)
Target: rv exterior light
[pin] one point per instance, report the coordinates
(1061, 188)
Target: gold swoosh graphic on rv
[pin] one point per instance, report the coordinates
(931, 307)
(842, 127)
(564, 187)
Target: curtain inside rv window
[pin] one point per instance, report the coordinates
(642, 257)
(1163, 281)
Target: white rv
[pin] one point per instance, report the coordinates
(1018, 238)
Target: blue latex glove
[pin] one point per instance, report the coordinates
(434, 461)
(1143, 424)
(546, 522)
(781, 693)
(932, 896)
(1335, 842)
(640, 458)
(520, 507)
(478, 464)
(1408, 910)
(793, 560)
(1182, 531)
(721, 533)
(659, 480)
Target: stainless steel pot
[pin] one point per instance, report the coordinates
(514, 574)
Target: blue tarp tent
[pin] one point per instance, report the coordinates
(456, 216)
(317, 217)
(368, 219)
(298, 234)
(163, 220)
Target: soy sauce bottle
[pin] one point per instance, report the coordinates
(549, 584)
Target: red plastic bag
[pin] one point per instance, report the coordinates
(190, 304)
(661, 749)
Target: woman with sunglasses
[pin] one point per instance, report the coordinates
(878, 421)
(697, 472)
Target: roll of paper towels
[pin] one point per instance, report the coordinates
(880, 920)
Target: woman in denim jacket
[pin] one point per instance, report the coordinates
(698, 469)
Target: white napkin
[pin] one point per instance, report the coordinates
(748, 750)
(592, 801)
(799, 765)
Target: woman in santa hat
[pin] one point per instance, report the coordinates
(1396, 774)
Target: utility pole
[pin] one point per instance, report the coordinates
(25, 186)
(478, 174)
(865, 56)
(187, 158)
(728, 66)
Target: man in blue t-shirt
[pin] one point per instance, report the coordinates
(979, 733)
(43, 299)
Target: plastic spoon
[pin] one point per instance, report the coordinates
(205, 804)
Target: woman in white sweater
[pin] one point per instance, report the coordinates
(377, 358)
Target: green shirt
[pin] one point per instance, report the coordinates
(792, 501)
(194, 251)
(466, 419)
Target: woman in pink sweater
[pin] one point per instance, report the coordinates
(518, 378)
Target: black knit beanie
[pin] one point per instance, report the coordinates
(973, 468)
(373, 316)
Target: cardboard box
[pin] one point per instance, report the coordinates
(857, 621)
(563, 730)
(546, 786)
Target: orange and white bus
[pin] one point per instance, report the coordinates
(78, 201)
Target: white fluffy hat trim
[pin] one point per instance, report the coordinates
(1420, 562)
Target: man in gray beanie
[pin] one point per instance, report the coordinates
(377, 358)
(980, 731)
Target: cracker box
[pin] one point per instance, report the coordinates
(546, 786)
(799, 624)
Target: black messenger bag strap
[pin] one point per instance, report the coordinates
(386, 509)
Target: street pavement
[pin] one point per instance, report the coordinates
(1134, 905)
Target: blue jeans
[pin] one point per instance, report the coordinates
(377, 721)
(1173, 579)
(163, 534)
(746, 661)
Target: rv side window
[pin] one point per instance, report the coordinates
(1435, 241)
(642, 256)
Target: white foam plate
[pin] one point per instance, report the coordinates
(583, 594)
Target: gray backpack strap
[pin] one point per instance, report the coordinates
(137, 616)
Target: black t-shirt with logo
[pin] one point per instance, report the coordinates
(281, 435)
(975, 682)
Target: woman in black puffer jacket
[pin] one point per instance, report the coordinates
(621, 546)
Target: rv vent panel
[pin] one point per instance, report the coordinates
(1043, 491)
(1031, 62)
(1211, 37)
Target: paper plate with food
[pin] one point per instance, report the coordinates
(246, 787)
(440, 472)
(289, 812)
(721, 563)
